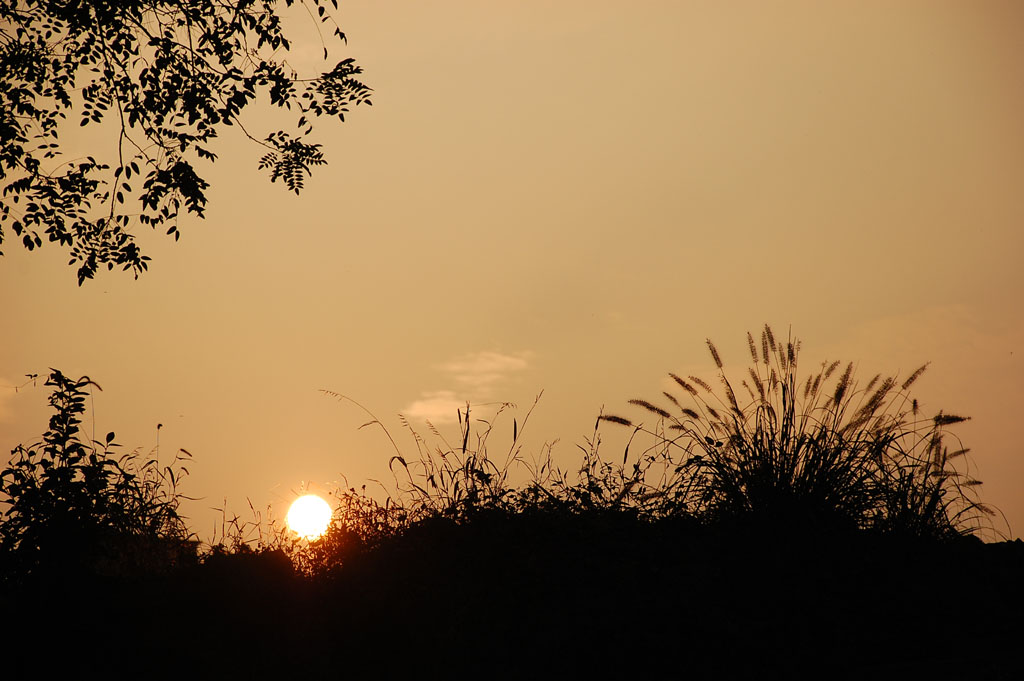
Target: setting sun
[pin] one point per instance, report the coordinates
(309, 516)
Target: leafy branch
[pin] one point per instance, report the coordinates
(174, 74)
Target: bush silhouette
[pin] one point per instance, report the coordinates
(821, 451)
(805, 457)
(72, 506)
(772, 539)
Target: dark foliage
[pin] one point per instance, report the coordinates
(799, 552)
(71, 506)
(547, 596)
(172, 75)
(815, 450)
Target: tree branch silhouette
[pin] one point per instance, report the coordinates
(173, 74)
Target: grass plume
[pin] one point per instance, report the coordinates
(860, 458)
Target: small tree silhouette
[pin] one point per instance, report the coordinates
(72, 506)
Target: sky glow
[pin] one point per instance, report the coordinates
(567, 197)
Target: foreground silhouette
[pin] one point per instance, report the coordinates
(581, 595)
(823, 536)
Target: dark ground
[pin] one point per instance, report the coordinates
(540, 598)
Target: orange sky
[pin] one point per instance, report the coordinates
(570, 197)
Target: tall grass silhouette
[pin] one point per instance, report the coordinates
(760, 529)
(781, 451)
(820, 452)
(823, 450)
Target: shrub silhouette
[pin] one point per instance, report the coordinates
(822, 451)
(821, 454)
(72, 506)
(631, 563)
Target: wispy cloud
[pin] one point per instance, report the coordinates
(476, 377)
(481, 370)
(438, 407)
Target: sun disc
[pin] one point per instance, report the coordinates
(309, 516)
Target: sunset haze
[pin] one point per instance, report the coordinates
(570, 198)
